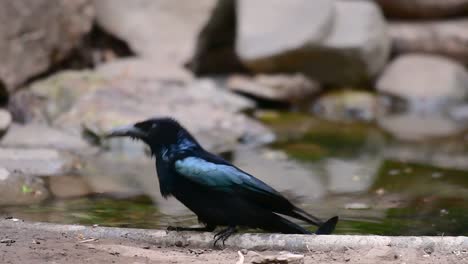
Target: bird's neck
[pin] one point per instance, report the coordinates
(168, 152)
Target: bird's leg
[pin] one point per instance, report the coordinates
(224, 234)
(207, 228)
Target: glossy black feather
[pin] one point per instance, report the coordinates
(219, 193)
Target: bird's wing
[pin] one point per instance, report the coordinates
(221, 176)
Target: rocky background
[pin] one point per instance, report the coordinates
(70, 70)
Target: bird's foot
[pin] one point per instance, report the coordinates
(224, 234)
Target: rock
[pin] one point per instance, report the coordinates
(69, 186)
(93, 107)
(425, 81)
(432, 88)
(5, 121)
(221, 127)
(345, 42)
(423, 8)
(42, 136)
(267, 32)
(35, 35)
(346, 105)
(163, 30)
(42, 162)
(419, 126)
(282, 257)
(144, 69)
(19, 189)
(448, 38)
(215, 49)
(281, 87)
(46, 99)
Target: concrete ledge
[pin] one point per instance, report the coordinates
(296, 243)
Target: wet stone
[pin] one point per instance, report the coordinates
(20, 189)
(41, 136)
(42, 162)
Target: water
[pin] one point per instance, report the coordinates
(375, 183)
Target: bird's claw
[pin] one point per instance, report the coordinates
(223, 235)
(172, 228)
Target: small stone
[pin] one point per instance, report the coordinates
(179, 243)
(7, 241)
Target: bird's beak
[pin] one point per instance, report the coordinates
(127, 131)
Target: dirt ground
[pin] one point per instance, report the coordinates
(20, 245)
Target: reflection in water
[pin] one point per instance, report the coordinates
(376, 184)
(350, 176)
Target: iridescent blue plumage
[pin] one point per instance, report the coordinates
(219, 193)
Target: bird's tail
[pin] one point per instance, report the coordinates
(324, 228)
(328, 227)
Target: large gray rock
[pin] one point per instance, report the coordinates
(34, 35)
(426, 81)
(344, 42)
(268, 28)
(42, 162)
(446, 37)
(430, 86)
(164, 30)
(42, 136)
(46, 99)
(83, 99)
(423, 8)
(212, 114)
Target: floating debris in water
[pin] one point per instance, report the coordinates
(408, 170)
(394, 172)
(444, 212)
(357, 206)
(436, 175)
(380, 191)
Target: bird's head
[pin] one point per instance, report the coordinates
(155, 132)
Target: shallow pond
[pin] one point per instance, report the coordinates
(375, 183)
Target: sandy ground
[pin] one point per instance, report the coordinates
(20, 245)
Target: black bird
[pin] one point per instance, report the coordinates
(219, 193)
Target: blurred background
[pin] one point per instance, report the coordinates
(348, 107)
